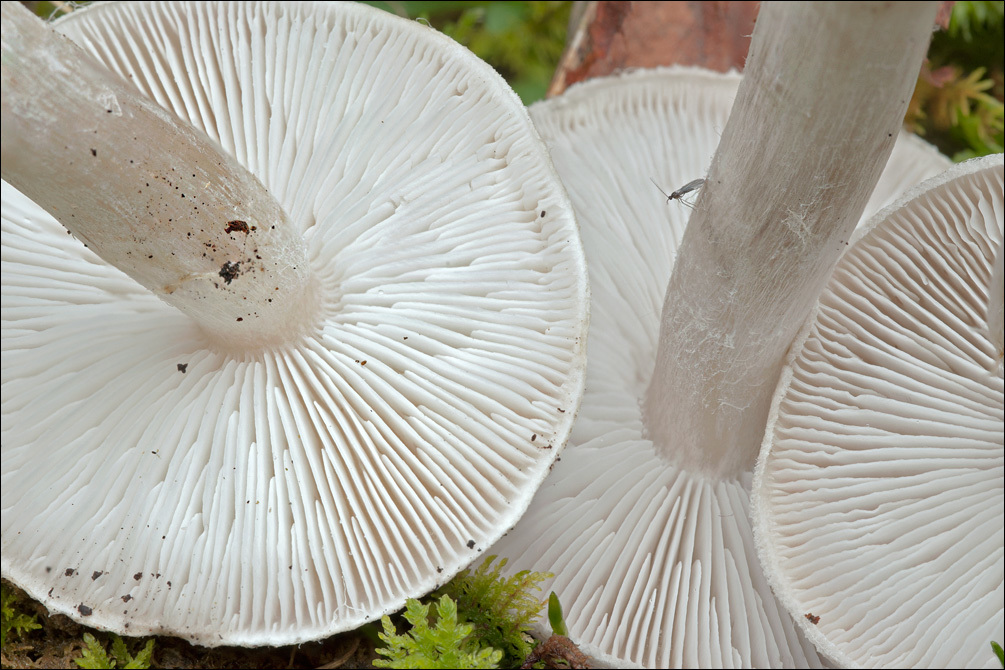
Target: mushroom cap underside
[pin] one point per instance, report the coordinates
(154, 481)
(878, 501)
(654, 566)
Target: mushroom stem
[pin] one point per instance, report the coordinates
(148, 193)
(823, 97)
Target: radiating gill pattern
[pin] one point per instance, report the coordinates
(307, 488)
(654, 566)
(883, 485)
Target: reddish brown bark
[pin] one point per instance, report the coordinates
(611, 36)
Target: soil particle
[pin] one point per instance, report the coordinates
(229, 271)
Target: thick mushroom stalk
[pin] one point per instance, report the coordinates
(149, 193)
(797, 162)
(654, 564)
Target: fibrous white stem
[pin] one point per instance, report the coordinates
(148, 193)
(824, 93)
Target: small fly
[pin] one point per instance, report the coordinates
(682, 191)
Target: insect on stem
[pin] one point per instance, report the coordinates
(679, 194)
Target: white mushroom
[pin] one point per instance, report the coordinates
(877, 499)
(645, 523)
(995, 309)
(393, 416)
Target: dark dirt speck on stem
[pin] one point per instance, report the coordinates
(237, 226)
(229, 271)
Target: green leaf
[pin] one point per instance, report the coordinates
(503, 17)
(444, 645)
(555, 617)
(482, 621)
(143, 659)
(94, 655)
(999, 652)
(502, 610)
(119, 652)
(968, 18)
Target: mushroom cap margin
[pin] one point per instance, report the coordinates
(613, 512)
(279, 529)
(875, 508)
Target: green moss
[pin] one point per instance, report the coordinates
(13, 622)
(95, 656)
(482, 616)
(958, 102)
(447, 643)
(523, 41)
